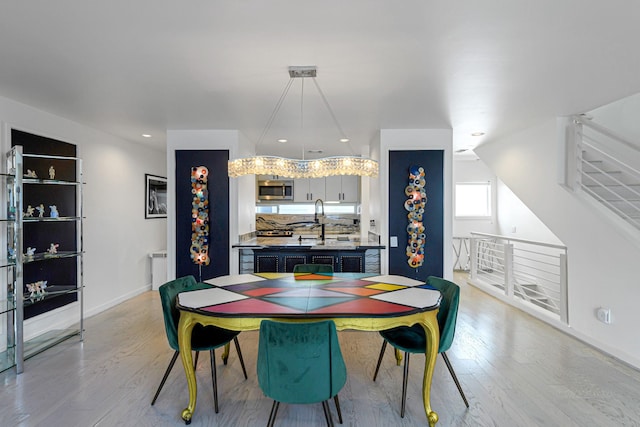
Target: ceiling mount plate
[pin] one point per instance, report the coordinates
(303, 71)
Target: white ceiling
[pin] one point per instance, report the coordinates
(130, 67)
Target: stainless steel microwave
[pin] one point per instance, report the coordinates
(275, 189)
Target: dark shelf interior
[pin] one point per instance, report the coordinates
(41, 233)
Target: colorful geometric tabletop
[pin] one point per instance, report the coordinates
(340, 295)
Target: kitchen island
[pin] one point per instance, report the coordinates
(346, 253)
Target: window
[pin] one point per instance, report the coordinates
(473, 200)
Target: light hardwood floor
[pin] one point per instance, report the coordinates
(515, 370)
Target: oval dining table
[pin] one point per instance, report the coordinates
(354, 301)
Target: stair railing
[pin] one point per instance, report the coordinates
(527, 274)
(600, 164)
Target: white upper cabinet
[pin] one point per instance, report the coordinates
(341, 188)
(308, 189)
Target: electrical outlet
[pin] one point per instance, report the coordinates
(604, 315)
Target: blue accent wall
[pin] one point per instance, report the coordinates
(433, 163)
(218, 186)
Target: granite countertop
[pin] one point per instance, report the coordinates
(309, 242)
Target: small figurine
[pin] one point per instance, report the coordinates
(11, 253)
(30, 174)
(52, 172)
(54, 211)
(40, 210)
(29, 212)
(30, 252)
(53, 249)
(37, 289)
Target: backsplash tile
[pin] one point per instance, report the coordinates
(304, 224)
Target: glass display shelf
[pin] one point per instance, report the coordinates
(51, 292)
(49, 219)
(47, 340)
(7, 305)
(26, 180)
(7, 262)
(48, 156)
(7, 358)
(48, 179)
(43, 256)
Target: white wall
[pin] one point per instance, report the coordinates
(241, 190)
(414, 139)
(516, 220)
(472, 169)
(117, 237)
(602, 261)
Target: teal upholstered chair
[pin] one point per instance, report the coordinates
(413, 339)
(313, 269)
(203, 337)
(300, 363)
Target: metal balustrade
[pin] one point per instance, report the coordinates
(528, 274)
(604, 167)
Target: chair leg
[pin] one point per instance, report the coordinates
(166, 375)
(235, 341)
(272, 415)
(337, 402)
(327, 413)
(214, 380)
(405, 377)
(384, 346)
(455, 378)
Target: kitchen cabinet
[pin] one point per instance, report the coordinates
(342, 188)
(308, 189)
(283, 261)
(267, 177)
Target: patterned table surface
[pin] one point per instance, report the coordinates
(311, 295)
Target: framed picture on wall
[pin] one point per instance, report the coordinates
(156, 196)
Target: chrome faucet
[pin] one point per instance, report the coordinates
(315, 217)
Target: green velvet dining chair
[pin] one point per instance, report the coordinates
(413, 339)
(325, 269)
(202, 338)
(300, 363)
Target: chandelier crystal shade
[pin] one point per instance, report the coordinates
(292, 168)
(301, 168)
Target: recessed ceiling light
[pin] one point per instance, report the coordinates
(477, 134)
(344, 139)
(462, 150)
(282, 140)
(146, 135)
(314, 151)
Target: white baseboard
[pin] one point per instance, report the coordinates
(69, 315)
(112, 303)
(540, 314)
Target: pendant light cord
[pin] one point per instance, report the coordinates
(275, 111)
(333, 116)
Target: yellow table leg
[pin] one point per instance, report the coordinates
(225, 353)
(185, 327)
(398, 356)
(432, 332)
